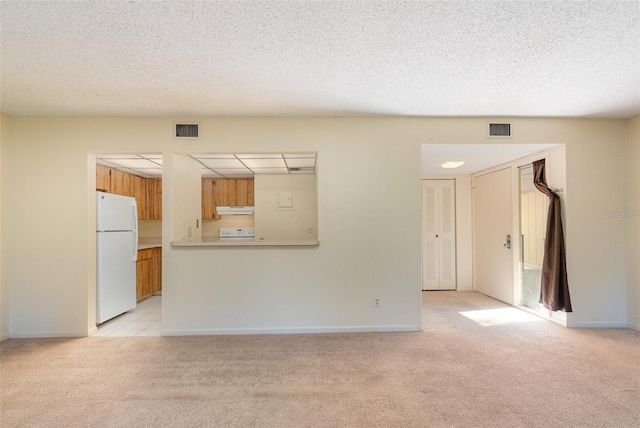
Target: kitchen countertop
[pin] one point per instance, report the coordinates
(217, 242)
(146, 243)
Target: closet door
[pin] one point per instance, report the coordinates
(438, 235)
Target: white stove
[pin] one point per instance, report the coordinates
(237, 233)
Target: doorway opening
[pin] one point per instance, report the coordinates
(505, 243)
(137, 178)
(534, 207)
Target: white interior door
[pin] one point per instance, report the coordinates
(438, 235)
(492, 209)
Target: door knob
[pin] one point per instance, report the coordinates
(508, 243)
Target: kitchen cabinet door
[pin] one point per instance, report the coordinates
(138, 189)
(224, 191)
(244, 192)
(208, 200)
(120, 183)
(154, 192)
(103, 178)
(144, 274)
(157, 266)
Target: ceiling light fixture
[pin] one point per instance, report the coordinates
(452, 164)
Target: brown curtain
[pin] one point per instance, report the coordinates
(554, 288)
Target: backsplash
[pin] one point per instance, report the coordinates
(212, 227)
(153, 228)
(149, 228)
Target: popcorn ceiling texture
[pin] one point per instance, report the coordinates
(317, 58)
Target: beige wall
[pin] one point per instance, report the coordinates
(5, 137)
(632, 213)
(276, 224)
(367, 165)
(186, 201)
(325, 288)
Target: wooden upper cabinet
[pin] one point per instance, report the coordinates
(208, 207)
(138, 190)
(242, 192)
(154, 198)
(103, 178)
(225, 191)
(120, 182)
(147, 191)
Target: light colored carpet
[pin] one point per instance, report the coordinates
(457, 373)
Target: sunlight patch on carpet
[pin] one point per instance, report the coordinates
(490, 317)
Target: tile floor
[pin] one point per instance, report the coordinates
(144, 320)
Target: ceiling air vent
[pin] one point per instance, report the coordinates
(500, 130)
(186, 130)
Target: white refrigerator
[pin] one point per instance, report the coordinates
(116, 254)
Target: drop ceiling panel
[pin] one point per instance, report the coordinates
(222, 163)
(213, 156)
(301, 163)
(209, 174)
(117, 156)
(259, 156)
(270, 170)
(264, 163)
(134, 163)
(299, 155)
(215, 164)
(152, 172)
(302, 171)
(233, 171)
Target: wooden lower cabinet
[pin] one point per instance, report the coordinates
(148, 272)
(157, 263)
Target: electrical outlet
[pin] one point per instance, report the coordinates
(376, 302)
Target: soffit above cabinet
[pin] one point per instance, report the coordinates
(217, 165)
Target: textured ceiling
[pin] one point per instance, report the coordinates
(317, 58)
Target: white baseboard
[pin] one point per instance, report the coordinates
(291, 330)
(558, 321)
(633, 326)
(48, 334)
(597, 324)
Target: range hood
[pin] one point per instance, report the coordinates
(234, 210)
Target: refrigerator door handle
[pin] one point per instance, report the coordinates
(134, 246)
(134, 249)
